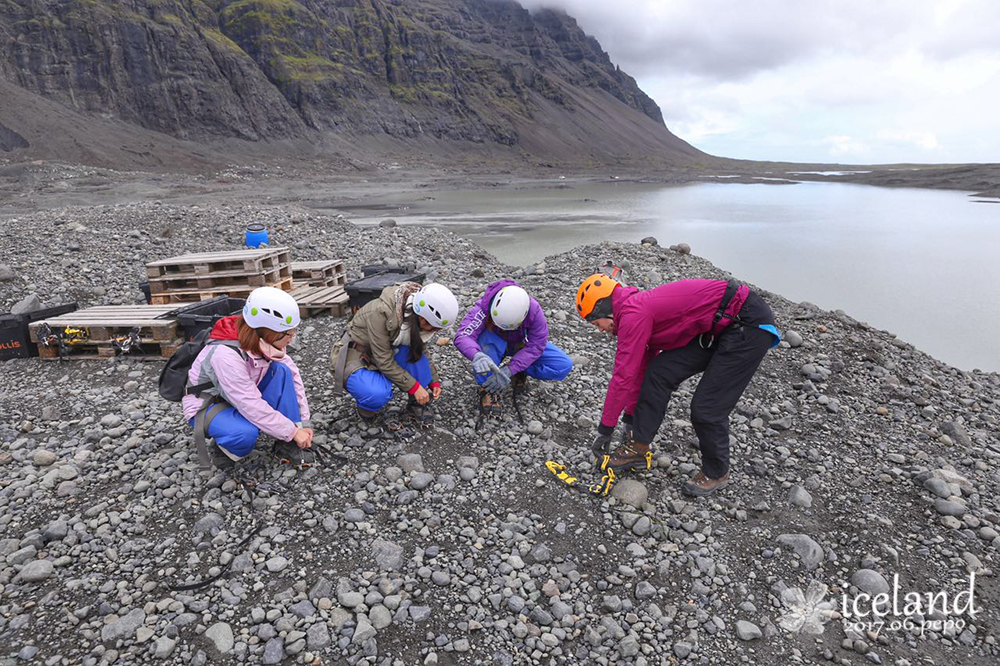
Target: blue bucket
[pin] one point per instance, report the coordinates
(256, 234)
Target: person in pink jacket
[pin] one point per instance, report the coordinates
(664, 336)
(257, 384)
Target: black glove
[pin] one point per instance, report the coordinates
(602, 442)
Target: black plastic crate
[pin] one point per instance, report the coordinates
(369, 288)
(14, 340)
(147, 295)
(368, 270)
(196, 317)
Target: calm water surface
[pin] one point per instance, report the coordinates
(923, 264)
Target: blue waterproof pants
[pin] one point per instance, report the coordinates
(372, 390)
(233, 432)
(553, 365)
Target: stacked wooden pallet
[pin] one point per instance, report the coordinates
(321, 300)
(322, 273)
(137, 331)
(204, 275)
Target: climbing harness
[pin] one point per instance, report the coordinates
(731, 288)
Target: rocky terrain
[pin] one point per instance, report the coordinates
(856, 457)
(330, 77)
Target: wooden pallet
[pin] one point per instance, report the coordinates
(323, 273)
(335, 281)
(245, 262)
(150, 351)
(195, 295)
(106, 322)
(321, 300)
(182, 282)
(157, 332)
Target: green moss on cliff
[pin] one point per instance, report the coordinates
(311, 68)
(221, 40)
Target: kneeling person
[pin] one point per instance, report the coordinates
(383, 349)
(251, 384)
(507, 322)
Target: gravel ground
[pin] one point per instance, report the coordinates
(856, 457)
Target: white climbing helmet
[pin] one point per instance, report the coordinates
(510, 307)
(436, 304)
(271, 308)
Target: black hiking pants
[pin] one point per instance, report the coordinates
(729, 365)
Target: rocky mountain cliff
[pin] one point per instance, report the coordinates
(481, 71)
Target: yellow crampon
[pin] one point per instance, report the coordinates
(72, 335)
(560, 471)
(600, 488)
(603, 487)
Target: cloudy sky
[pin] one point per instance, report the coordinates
(862, 81)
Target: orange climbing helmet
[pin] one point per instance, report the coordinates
(593, 298)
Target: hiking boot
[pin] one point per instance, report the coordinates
(422, 414)
(220, 459)
(626, 436)
(629, 455)
(519, 383)
(701, 485)
(290, 453)
(368, 417)
(489, 404)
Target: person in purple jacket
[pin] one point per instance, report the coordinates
(507, 322)
(664, 336)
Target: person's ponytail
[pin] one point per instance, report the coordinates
(416, 342)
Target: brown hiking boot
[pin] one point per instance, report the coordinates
(489, 405)
(422, 414)
(629, 455)
(700, 485)
(520, 382)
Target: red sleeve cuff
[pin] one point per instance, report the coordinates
(414, 388)
(434, 385)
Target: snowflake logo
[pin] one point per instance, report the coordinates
(807, 612)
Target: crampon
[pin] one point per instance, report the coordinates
(599, 488)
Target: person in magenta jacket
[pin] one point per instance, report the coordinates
(257, 382)
(507, 322)
(664, 336)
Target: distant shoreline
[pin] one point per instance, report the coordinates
(26, 187)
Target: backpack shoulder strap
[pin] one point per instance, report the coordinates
(197, 389)
(232, 344)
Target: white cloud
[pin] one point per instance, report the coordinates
(844, 145)
(926, 140)
(882, 81)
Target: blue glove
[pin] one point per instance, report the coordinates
(498, 381)
(482, 363)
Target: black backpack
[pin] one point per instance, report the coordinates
(174, 376)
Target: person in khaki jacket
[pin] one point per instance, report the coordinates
(383, 348)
